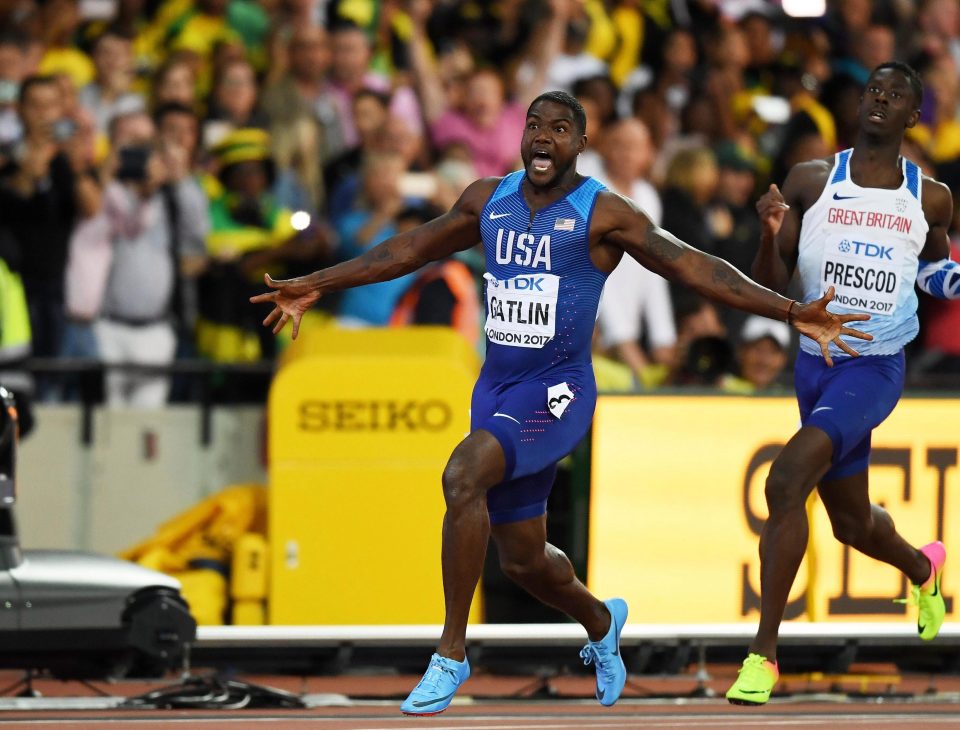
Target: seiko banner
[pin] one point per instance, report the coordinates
(361, 425)
(677, 507)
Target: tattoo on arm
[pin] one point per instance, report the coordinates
(660, 247)
(724, 274)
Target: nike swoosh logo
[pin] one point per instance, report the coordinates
(844, 197)
(433, 702)
(504, 415)
(600, 693)
(754, 691)
(494, 216)
(821, 408)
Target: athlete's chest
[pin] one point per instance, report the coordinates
(553, 239)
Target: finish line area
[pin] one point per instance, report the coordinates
(526, 676)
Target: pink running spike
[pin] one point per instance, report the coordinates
(937, 555)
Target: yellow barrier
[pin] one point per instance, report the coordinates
(677, 507)
(361, 424)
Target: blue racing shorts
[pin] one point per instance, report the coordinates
(533, 438)
(847, 402)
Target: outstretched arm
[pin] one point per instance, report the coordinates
(660, 251)
(402, 254)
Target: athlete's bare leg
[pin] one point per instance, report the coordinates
(545, 572)
(793, 475)
(868, 528)
(476, 465)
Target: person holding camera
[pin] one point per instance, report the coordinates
(155, 216)
(46, 186)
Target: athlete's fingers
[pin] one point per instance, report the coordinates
(850, 332)
(281, 323)
(825, 349)
(272, 317)
(853, 317)
(846, 348)
(268, 296)
(829, 294)
(296, 326)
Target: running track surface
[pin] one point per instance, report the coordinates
(907, 702)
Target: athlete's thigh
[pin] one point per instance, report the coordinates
(855, 397)
(538, 422)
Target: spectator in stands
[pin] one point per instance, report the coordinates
(635, 315)
(732, 216)
(443, 293)
(350, 72)
(302, 110)
(233, 99)
(59, 20)
(371, 109)
(111, 91)
(44, 189)
(155, 218)
(761, 356)
(13, 69)
(488, 125)
(373, 221)
(175, 82)
(249, 233)
(690, 185)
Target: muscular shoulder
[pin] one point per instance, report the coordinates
(806, 181)
(612, 211)
(937, 202)
(476, 195)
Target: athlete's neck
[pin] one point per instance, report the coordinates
(875, 163)
(540, 196)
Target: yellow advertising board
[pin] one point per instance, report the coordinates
(677, 506)
(361, 424)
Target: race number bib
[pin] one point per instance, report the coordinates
(522, 311)
(865, 274)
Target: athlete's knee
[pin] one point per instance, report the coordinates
(783, 490)
(461, 482)
(849, 530)
(522, 568)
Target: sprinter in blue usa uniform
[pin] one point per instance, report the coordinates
(550, 238)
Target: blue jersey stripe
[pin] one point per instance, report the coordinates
(840, 173)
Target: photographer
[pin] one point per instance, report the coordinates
(45, 187)
(156, 218)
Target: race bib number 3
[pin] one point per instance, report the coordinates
(865, 274)
(522, 311)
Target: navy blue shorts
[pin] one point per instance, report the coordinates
(847, 402)
(533, 439)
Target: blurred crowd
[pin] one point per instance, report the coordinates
(158, 156)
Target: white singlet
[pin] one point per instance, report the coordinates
(865, 242)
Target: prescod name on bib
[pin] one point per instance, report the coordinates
(522, 311)
(865, 274)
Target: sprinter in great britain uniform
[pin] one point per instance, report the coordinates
(869, 225)
(550, 237)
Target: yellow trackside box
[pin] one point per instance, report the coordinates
(361, 424)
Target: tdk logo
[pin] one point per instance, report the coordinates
(521, 283)
(867, 250)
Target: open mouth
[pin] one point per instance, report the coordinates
(877, 115)
(541, 160)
